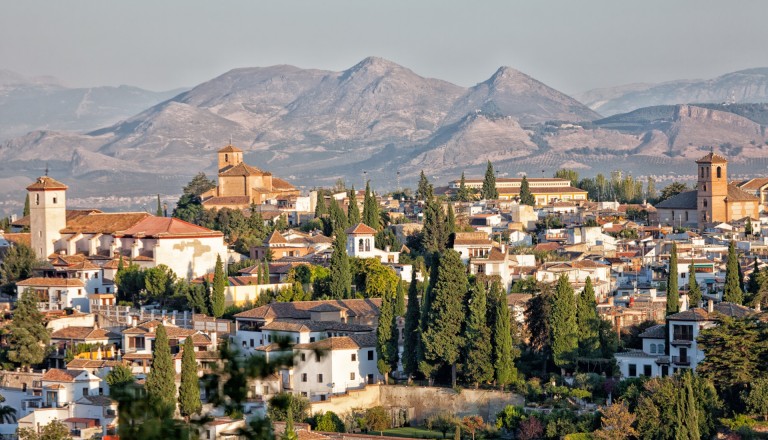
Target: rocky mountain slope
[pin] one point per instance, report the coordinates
(744, 86)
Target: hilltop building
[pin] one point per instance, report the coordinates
(544, 190)
(241, 185)
(714, 200)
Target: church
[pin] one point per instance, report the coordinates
(241, 185)
(714, 200)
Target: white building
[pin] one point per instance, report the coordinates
(361, 243)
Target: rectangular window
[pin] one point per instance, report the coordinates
(352, 376)
(303, 377)
(632, 370)
(303, 357)
(252, 343)
(647, 370)
(319, 378)
(317, 357)
(269, 338)
(682, 332)
(96, 276)
(304, 394)
(370, 355)
(85, 391)
(354, 357)
(312, 339)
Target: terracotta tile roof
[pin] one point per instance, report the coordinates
(92, 363)
(226, 200)
(24, 238)
(301, 309)
(279, 184)
(70, 215)
(288, 326)
(149, 326)
(243, 169)
(736, 194)
(276, 238)
(655, 332)
(754, 184)
(152, 226)
(57, 375)
(470, 238)
(51, 282)
(335, 343)
(45, 183)
(701, 314)
(105, 223)
(325, 307)
(230, 149)
(83, 333)
(360, 228)
(547, 246)
(364, 339)
(712, 158)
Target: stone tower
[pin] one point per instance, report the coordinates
(712, 187)
(47, 214)
(229, 156)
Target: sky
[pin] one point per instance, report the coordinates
(571, 45)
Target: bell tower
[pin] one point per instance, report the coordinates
(229, 157)
(712, 188)
(47, 214)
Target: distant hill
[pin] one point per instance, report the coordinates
(744, 86)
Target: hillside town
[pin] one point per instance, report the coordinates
(541, 307)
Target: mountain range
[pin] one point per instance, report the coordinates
(381, 121)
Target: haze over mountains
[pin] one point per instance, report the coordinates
(378, 118)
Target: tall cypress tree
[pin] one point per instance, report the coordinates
(733, 292)
(442, 335)
(450, 222)
(478, 362)
(28, 338)
(526, 196)
(422, 192)
(189, 390)
(673, 294)
(400, 299)
(370, 208)
(433, 235)
(686, 410)
(341, 277)
(320, 208)
(384, 334)
(25, 213)
(411, 330)
(218, 291)
(565, 340)
(463, 193)
(504, 351)
(588, 322)
(353, 211)
(694, 290)
(290, 432)
(161, 380)
(337, 219)
(159, 211)
(489, 190)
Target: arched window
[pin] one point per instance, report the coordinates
(367, 244)
(360, 246)
(226, 157)
(37, 199)
(719, 172)
(701, 172)
(660, 348)
(705, 187)
(653, 348)
(705, 203)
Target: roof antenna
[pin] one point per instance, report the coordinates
(46, 169)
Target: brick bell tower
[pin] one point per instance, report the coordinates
(712, 187)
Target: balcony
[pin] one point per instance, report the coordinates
(662, 360)
(681, 341)
(681, 360)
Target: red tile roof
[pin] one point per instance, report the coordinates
(712, 158)
(57, 375)
(230, 149)
(360, 228)
(105, 223)
(46, 183)
(243, 169)
(152, 226)
(276, 238)
(51, 282)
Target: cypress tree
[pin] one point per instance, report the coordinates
(686, 410)
(265, 268)
(340, 285)
(400, 299)
(526, 196)
(450, 222)
(673, 294)
(353, 211)
(489, 190)
(159, 212)
(337, 219)
(694, 291)
(433, 233)
(748, 227)
(733, 292)
(219, 286)
(463, 194)
(393, 344)
(25, 213)
(320, 208)
(384, 334)
(588, 322)
(160, 384)
(565, 341)
(442, 337)
(426, 368)
(28, 338)
(423, 191)
(189, 390)
(478, 362)
(290, 432)
(411, 330)
(504, 352)
(370, 208)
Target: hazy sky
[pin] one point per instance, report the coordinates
(570, 45)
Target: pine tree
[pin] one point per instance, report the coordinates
(694, 290)
(160, 383)
(320, 208)
(28, 339)
(400, 299)
(159, 211)
(189, 390)
(489, 191)
(588, 322)
(370, 208)
(673, 294)
(564, 328)
(463, 194)
(478, 362)
(341, 277)
(353, 211)
(423, 190)
(384, 334)
(504, 351)
(526, 196)
(411, 330)
(733, 292)
(218, 289)
(442, 335)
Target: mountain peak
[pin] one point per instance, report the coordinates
(509, 76)
(375, 64)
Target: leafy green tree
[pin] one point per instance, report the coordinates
(450, 222)
(504, 352)
(353, 211)
(489, 191)
(564, 327)
(130, 282)
(673, 292)
(120, 375)
(616, 423)
(478, 356)
(400, 299)
(411, 330)
(340, 277)
(463, 193)
(434, 233)
(510, 417)
(442, 335)
(277, 407)
(694, 291)
(218, 289)
(748, 227)
(161, 380)
(568, 174)
(733, 292)
(672, 190)
(327, 422)
(320, 208)
(424, 191)
(53, 430)
(588, 322)
(290, 432)
(537, 314)
(370, 208)
(757, 398)
(25, 212)
(376, 419)
(17, 264)
(526, 196)
(189, 390)
(336, 222)
(196, 298)
(28, 338)
(159, 281)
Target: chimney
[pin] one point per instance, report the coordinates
(214, 339)
(134, 320)
(710, 306)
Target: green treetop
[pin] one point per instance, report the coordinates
(588, 322)
(189, 390)
(219, 286)
(463, 193)
(673, 293)
(478, 367)
(694, 290)
(489, 191)
(371, 208)
(526, 196)
(563, 326)
(384, 334)
(320, 208)
(161, 380)
(353, 211)
(504, 351)
(341, 275)
(733, 292)
(411, 330)
(400, 299)
(159, 210)
(423, 191)
(28, 338)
